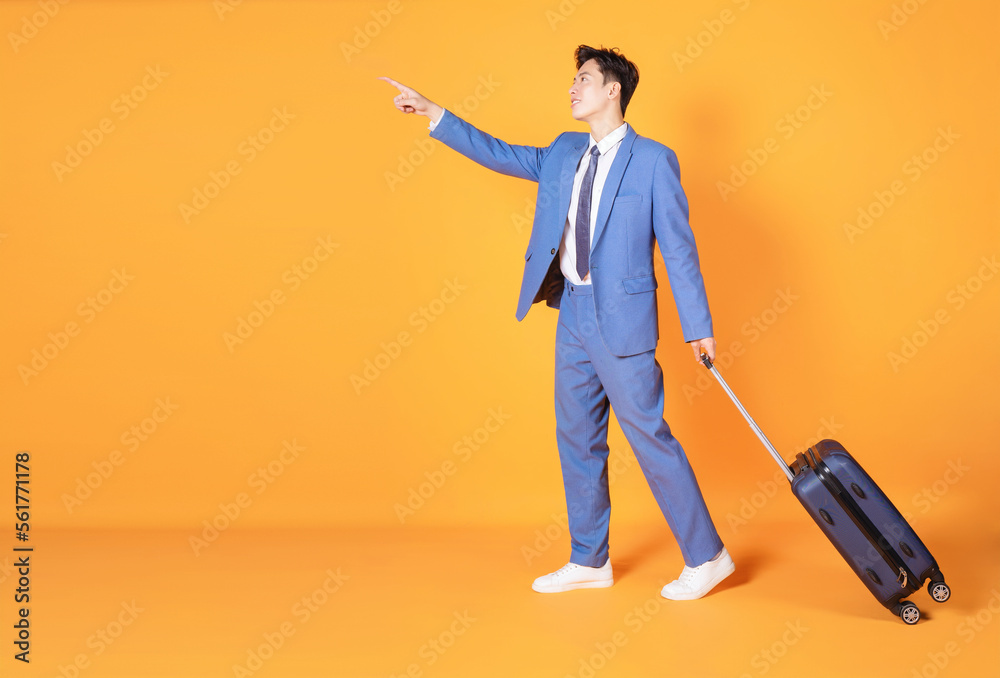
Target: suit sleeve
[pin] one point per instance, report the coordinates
(524, 162)
(676, 239)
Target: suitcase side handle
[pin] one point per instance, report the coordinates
(746, 415)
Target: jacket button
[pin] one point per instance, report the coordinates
(552, 251)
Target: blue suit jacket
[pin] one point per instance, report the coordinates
(642, 203)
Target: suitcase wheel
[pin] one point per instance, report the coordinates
(909, 613)
(939, 591)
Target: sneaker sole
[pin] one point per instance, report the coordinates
(602, 584)
(711, 585)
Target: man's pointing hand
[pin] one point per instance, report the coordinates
(411, 101)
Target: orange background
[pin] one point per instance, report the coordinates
(162, 100)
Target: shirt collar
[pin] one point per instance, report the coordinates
(605, 144)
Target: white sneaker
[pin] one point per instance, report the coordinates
(572, 576)
(695, 582)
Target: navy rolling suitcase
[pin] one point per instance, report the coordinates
(860, 521)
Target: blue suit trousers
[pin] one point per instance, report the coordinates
(589, 380)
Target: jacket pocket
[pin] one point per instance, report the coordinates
(639, 284)
(628, 199)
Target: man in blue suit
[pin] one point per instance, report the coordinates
(604, 200)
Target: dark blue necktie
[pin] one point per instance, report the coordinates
(583, 216)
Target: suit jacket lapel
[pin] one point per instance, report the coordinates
(569, 167)
(611, 184)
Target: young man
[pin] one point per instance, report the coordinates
(604, 199)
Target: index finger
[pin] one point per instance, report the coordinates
(401, 87)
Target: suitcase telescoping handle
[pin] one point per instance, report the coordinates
(746, 415)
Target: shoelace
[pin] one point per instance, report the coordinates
(565, 569)
(688, 574)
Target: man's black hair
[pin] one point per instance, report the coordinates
(614, 66)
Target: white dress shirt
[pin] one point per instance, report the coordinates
(608, 146)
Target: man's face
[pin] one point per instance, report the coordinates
(588, 94)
